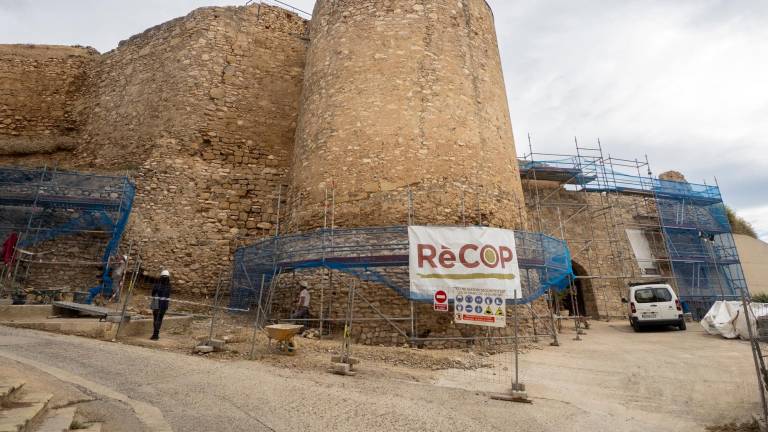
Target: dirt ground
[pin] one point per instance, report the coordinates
(612, 380)
(237, 330)
(313, 353)
(670, 380)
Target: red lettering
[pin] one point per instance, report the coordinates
(447, 258)
(506, 255)
(422, 251)
(463, 256)
(489, 256)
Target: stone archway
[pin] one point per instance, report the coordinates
(585, 296)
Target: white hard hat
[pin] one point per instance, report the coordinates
(304, 284)
(165, 273)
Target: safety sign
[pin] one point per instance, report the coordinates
(441, 301)
(480, 306)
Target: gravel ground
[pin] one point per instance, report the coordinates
(315, 353)
(734, 427)
(613, 380)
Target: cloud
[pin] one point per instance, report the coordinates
(758, 217)
(683, 81)
(98, 23)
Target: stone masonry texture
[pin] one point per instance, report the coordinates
(399, 95)
(200, 111)
(234, 121)
(39, 97)
(594, 227)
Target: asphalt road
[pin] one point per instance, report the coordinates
(614, 380)
(196, 394)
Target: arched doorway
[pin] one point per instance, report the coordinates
(584, 298)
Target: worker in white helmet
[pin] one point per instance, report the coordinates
(118, 271)
(161, 294)
(302, 302)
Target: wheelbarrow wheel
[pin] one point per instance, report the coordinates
(288, 347)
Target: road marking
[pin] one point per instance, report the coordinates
(149, 415)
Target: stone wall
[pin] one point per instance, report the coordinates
(594, 226)
(201, 111)
(373, 302)
(69, 263)
(398, 96)
(39, 91)
(206, 107)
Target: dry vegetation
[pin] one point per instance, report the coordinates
(739, 225)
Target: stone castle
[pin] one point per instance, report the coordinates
(239, 121)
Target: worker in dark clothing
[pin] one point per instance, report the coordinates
(161, 294)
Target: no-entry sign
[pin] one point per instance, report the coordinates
(441, 301)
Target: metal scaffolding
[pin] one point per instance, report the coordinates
(702, 251)
(53, 213)
(378, 255)
(624, 225)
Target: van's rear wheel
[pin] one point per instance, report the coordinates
(636, 326)
(681, 326)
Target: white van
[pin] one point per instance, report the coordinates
(654, 305)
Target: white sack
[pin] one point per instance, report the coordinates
(727, 319)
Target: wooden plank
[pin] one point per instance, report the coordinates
(86, 309)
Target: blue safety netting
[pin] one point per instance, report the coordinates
(692, 217)
(702, 251)
(378, 255)
(41, 205)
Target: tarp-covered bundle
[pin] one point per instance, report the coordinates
(727, 319)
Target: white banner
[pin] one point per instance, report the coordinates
(446, 258)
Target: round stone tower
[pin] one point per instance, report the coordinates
(404, 117)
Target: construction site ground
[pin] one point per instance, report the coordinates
(612, 380)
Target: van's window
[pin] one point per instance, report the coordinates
(653, 295)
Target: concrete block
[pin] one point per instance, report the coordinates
(342, 369)
(58, 420)
(216, 344)
(203, 349)
(24, 312)
(8, 390)
(26, 414)
(93, 427)
(512, 396)
(350, 360)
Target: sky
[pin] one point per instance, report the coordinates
(684, 82)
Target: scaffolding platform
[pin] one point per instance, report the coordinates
(59, 202)
(685, 225)
(546, 172)
(50, 209)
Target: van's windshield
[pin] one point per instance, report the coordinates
(653, 295)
